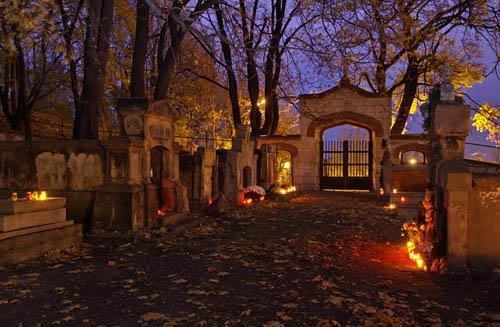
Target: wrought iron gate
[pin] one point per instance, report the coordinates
(346, 165)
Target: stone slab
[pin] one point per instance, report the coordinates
(31, 246)
(31, 230)
(9, 207)
(31, 219)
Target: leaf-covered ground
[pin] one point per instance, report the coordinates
(321, 259)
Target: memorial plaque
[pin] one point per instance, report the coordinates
(159, 132)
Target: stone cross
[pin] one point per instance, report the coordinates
(447, 90)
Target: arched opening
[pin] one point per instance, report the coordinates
(247, 176)
(413, 158)
(284, 167)
(159, 176)
(346, 158)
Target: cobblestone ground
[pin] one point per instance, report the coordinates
(321, 259)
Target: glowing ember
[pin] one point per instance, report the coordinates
(247, 202)
(161, 213)
(413, 161)
(261, 198)
(402, 199)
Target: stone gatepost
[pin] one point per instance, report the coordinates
(450, 121)
(120, 202)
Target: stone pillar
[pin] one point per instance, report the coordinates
(120, 203)
(450, 121)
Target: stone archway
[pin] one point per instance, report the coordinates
(345, 117)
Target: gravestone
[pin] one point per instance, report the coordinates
(30, 229)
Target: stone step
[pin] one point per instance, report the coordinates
(31, 219)
(31, 230)
(30, 246)
(9, 207)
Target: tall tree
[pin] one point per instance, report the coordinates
(395, 45)
(96, 47)
(137, 80)
(26, 35)
(172, 32)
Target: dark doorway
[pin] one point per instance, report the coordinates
(247, 176)
(158, 162)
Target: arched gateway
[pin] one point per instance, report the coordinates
(321, 163)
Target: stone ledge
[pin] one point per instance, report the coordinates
(9, 207)
(36, 229)
(27, 247)
(31, 219)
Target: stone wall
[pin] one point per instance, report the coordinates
(484, 222)
(73, 169)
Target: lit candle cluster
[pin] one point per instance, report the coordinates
(286, 189)
(42, 196)
(413, 244)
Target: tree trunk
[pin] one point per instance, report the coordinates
(137, 84)
(99, 24)
(231, 79)
(22, 113)
(409, 93)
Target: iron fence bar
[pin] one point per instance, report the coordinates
(483, 145)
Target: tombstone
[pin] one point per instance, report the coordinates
(131, 196)
(30, 229)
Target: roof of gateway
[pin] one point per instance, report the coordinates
(344, 83)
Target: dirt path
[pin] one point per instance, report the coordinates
(323, 259)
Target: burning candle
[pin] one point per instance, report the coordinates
(381, 191)
(395, 191)
(34, 195)
(28, 196)
(13, 197)
(43, 196)
(420, 263)
(403, 199)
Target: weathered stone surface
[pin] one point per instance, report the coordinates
(31, 219)
(86, 171)
(451, 119)
(36, 229)
(26, 247)
(9, 207)
(51, 170)
(119, 207)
